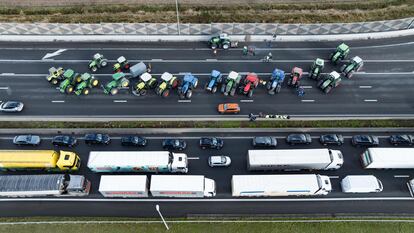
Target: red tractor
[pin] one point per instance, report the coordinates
(295, 77)
(249, 83)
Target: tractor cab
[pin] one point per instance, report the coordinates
(357, 61)
(319, 62)
(146, 77)
(166, 77)
(343, 48)
(233, 75)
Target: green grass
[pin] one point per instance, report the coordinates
(259, 13)
(212, 124)
(217, 228)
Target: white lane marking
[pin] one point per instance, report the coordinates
(58, 101)
(193, 158)
(308, 101)
(54, 54)
(9, 74)
(210, 200)
(246, 101)
(156, 59)
(307, 87)
(120, 101)
(365, 87)
(401, 176)
(4, 88)
(184, 101)
(210, 59)
(334, 177)
(370, 100)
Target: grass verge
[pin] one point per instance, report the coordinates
(212, 124)
(337, 227)
(321, 12)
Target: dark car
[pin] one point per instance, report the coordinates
(211, 143)
(365, 140)
(174, 144)
(264, 142)
(31, 140)
(335, 139)
(11, 106)
(97, 138)
(402, 139)
(64, 140)
(302, 138)
(134, 141)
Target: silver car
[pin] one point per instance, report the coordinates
(31, 140)
(11, 106)
(219, 161)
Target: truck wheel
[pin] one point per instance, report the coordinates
(114, 91)
(189, 94)
(214, 90)
(165, 93)
(85, 91)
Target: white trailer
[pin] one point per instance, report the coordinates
(137, 161)
(296, 159)
(182, 186)
(124, 186)
(280, 185)
(388, 158)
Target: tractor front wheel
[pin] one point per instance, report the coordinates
(250, 94)
(94, 68)
(143, 92)
(189, 94)
(269, 85)
(195, 84)
(214, 90)
(104, 63)
(278, 88)
(226, 46)
(54, 81)
(114, 91)
(165, 93)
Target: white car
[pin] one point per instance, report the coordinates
(11, 106)
(219, 161)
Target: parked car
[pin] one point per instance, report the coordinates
(335, 139)
(134, 141)
(97, 138)
(64, 140)
(365, 140)
(264, 142)
(31, 140)
(211, 143)
(402, 139)
(219, 161)
(11, 106)
(228, 108)
(302, 138)
(174, 144)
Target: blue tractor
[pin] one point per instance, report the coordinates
(215, 79)
(276, 80)
(185, 90)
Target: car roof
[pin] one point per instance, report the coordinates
(232, 105)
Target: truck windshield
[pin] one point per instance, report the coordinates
(170, 158)
(366, 158)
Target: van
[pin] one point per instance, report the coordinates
(361, 184)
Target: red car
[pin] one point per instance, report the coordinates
(250, 82)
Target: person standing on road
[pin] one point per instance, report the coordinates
(301, 91)
(245, 50)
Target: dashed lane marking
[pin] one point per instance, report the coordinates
(308, 101)
(370, 100)
(184, 101)
(401, 176)
(58, 101)
(246, 101)
(365, 87)
(120, 101)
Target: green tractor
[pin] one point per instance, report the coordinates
(70, 80)
(354, 65)
(167, 82)
(121, 65)
(316, 68)
(88, 82)
(146, 82)
(340, 53)
(55, 75)
(220, 41)
(329, 81)
(119, 81)
(230, 83)
(98, 61)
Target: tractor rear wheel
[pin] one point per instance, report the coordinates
(114, 91)
(104, 62)
(94, 82)
(213, 46)
(174, 84)
(69, 89)
(143, 92)
(343, 68)
(226, 46)
(54, 81)
(85, 91)
(195, 84)
(233, 91)
(165, 93)
(271, 92)
(214, 90)
(350, 74)
(250, 94)
(327, 89)
(278, 88)
(189, 94)
(319, 83)
(269, 85)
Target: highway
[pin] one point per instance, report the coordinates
(382, 88)
(394, 199)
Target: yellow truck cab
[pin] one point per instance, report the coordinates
(49, 160)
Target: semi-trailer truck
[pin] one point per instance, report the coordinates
(49, 160)
(138, 161)
(388, 158)
(124, 186)
(280, 185)
(193, 186)
(44, 185)
(296, 159)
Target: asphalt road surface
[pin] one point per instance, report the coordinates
(382, 88)
(236, 146)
